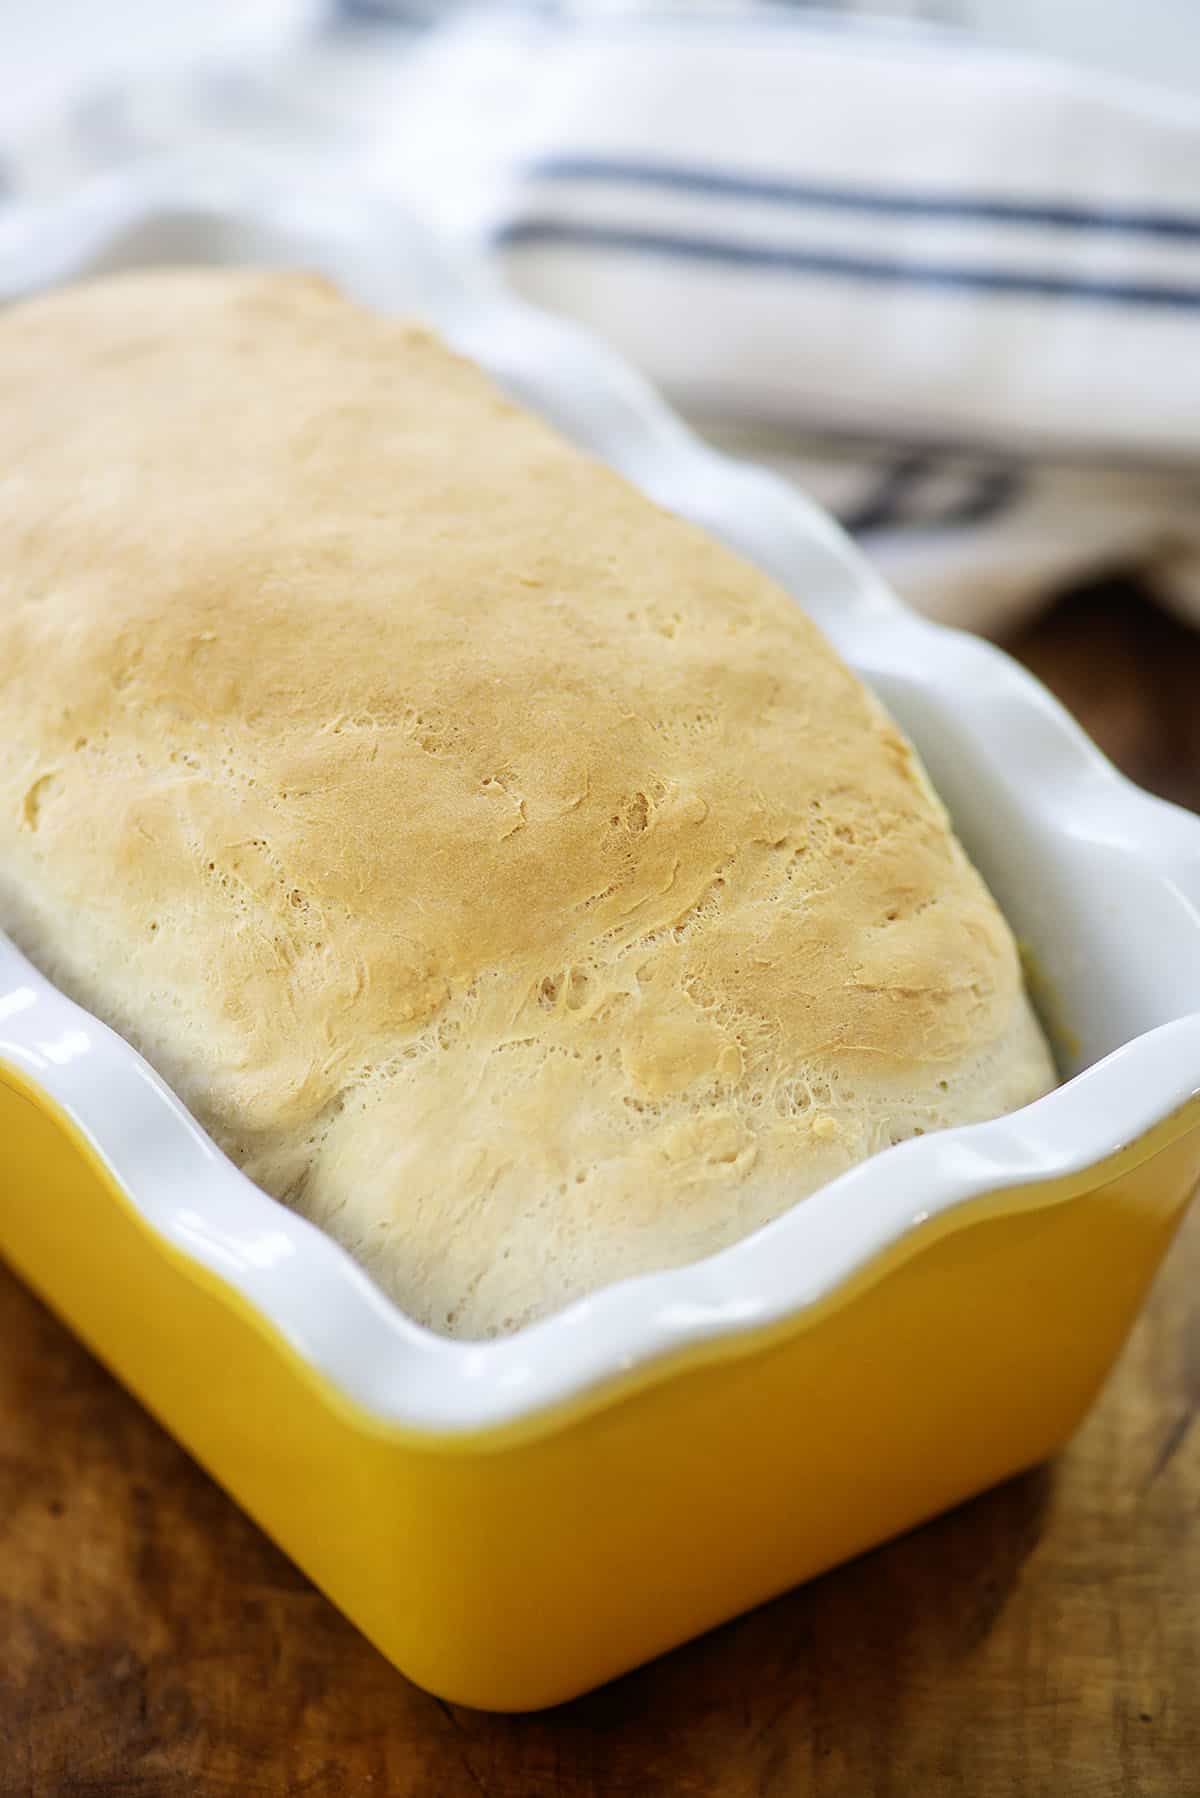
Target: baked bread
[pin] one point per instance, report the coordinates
(504, 873)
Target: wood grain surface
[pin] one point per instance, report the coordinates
(1043, 1640)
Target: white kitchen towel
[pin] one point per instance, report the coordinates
(952, 290)
(956, 292)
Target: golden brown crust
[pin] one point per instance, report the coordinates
(497, 866)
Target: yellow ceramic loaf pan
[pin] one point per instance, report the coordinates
(514, 1522)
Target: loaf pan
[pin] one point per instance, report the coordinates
(513, 1522)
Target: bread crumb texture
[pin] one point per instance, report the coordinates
(508, 876)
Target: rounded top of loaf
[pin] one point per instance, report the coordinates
(501, 869)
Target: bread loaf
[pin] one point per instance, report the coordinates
(505, 874)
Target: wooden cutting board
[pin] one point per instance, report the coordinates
(1043, 1640)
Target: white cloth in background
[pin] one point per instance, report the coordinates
(953, 291)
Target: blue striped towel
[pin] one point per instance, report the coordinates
(954, 291)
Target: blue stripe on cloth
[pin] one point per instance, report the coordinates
(726, 252)
(919, 493)
(877, 202)
(417, 13)
(747, 26)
